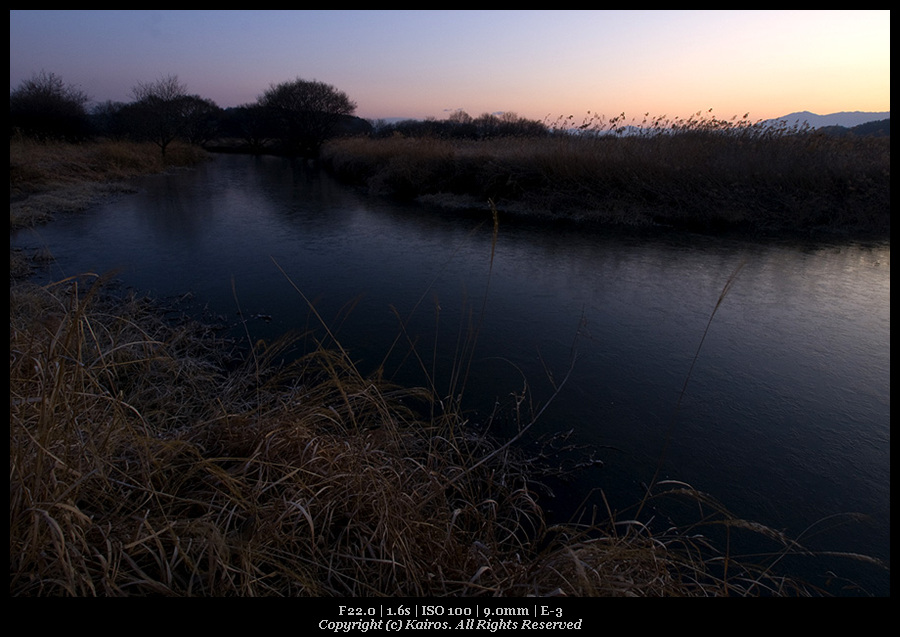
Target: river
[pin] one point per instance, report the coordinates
(779, 407)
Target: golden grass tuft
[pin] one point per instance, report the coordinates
(146, 460)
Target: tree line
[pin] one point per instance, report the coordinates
(461, 125)
(294, 117)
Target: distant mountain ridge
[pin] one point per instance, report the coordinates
(847, 119)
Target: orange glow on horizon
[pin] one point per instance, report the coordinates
(538, 64)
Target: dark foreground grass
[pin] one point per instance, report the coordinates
(145, 461)
(703, 174)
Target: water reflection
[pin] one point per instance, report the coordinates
(786, 417)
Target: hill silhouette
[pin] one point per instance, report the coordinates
(845, 119)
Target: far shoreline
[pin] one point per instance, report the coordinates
(739, 182)
(463, 179)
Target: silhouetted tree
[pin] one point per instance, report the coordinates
(460, 125)
(250, 123)
(463, 126)
(201, 119)
(107, 121)
(44, 107)
(158, 111)
(306, 113)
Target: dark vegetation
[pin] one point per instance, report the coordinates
(702, 173)
(880, 128)
(149, 457)
(293, 117)
(45, 108)
(145, 459)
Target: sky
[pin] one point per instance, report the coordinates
(539, 64)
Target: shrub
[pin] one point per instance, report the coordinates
(46, 108)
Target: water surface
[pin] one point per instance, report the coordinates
(785, 416)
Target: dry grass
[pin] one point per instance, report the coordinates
(145, 461)
(700, 174)
(54, 177)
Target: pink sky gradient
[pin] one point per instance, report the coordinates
(538, 64)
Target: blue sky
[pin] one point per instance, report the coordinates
(428, 63)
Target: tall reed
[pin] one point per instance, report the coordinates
(699, 173)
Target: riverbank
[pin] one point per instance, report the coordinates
(50, 178)
(148, 456)
(745, 181)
